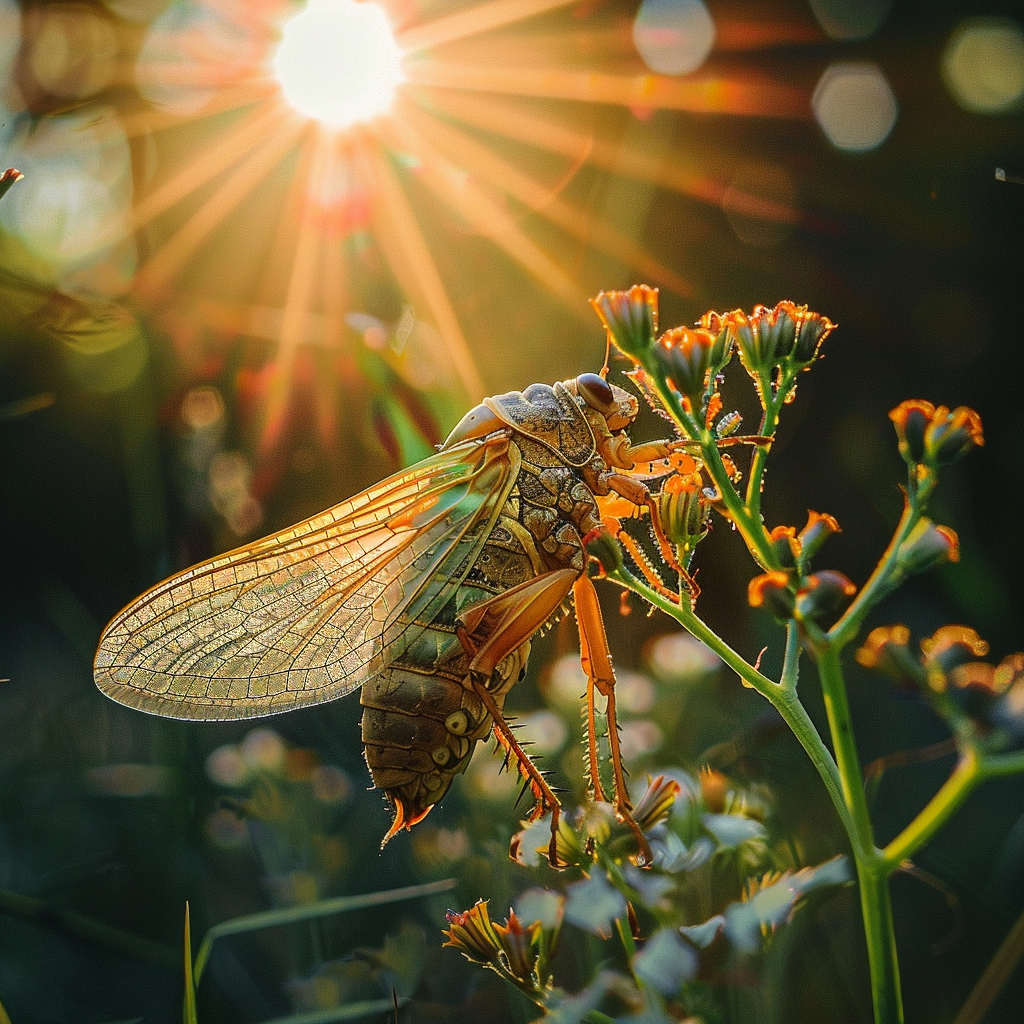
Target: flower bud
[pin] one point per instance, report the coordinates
(1008, 673)
(950, 646)
(1008, 713)
(887, 650)
(926, 546)
(933, 436)
(973, 692)
(605, 548)
(631, 318)
(473, 933)
(785, 545)
(682, 510)
(911, 419)
(784, 320)
(750, 334)
(820, 526)
(8, 178)
(683, 354)
(772, 590)
(951, 435)
(812, 330)
(824, 596)
(656, 804)
(721, 351)
(511, 949)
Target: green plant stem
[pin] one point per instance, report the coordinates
(965, 777)
(872, 866)
(885, 576)
(883, 963)
(791, 662)
(758, 461)
(746, 521)
(971, 770)
(748, 524)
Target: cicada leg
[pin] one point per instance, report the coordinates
(597, 663)
(637, 493)
(491, 630)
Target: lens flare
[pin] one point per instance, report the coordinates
(338, 62)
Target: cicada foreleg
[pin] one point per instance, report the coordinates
(489, 631)
(637, 493)
(597, 663)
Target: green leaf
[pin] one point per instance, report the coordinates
(311, 911)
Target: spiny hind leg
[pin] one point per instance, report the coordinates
(597, 663)
(489, 631)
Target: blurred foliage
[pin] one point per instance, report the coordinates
(110, 821)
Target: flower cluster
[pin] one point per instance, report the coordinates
(987, 699)
(792, 592)
(514, 950)
(931, 436)
(713, 896)
(771, 338)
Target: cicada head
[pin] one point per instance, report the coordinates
(618, 407)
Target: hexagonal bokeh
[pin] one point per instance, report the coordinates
(855, 106)
(983, 65)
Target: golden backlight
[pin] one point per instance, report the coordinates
(338, 62)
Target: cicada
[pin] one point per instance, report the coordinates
(424, 591)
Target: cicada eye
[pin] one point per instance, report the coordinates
(596, 392)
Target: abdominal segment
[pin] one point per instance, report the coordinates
(421, 721)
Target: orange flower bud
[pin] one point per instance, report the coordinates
(949, 646)
(951, 435)
(683, 354)
(785, 545)
(820, 526)
(933, 436)
(928, 545)
(825, 595)
(887, 650)
(772, 590)
(631, 318)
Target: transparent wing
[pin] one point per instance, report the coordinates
(308, 614)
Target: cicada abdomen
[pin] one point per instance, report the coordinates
(422, 720)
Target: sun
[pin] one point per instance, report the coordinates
(334, 159)
(338, 62)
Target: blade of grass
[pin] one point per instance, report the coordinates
(27, 908)
(366, 1008)
(188, 1012)
(4, 1019)
(307, 912)
(1000, 967)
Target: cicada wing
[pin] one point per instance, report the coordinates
(308, 614)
